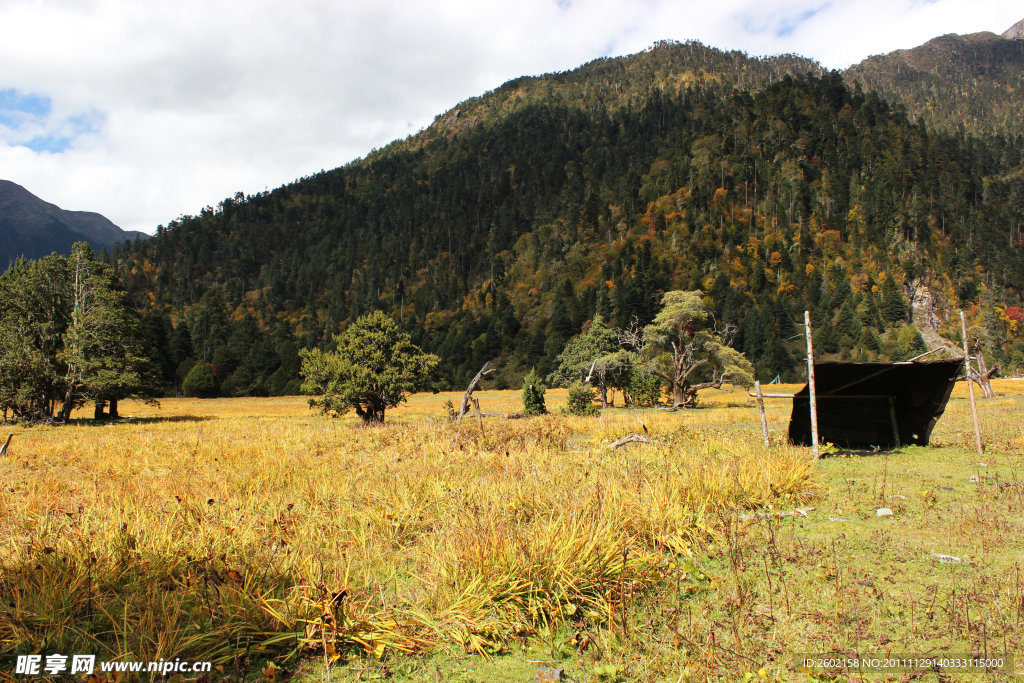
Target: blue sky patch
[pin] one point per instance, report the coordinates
(48, 143)
(789, 24)
(16, 107)
(29, 117)
(783, 25)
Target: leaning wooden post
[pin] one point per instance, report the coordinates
(760, 408)
(970, 387)
(810, 385)
(479, 416)
(3, 449)
(464, 408)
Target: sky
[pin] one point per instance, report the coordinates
(145, 110)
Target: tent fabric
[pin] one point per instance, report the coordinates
(856, 402)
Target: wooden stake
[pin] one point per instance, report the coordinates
(810, 385)
(479, 416)
(760, 408)
(970, 387)
(895, 427)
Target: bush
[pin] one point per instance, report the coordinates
(644, 389)
(374, 367)
(200, 382)
(581, 400)
(533, 394)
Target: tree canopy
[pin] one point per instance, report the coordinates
(374, 367)
(684, 350)
(68, 335)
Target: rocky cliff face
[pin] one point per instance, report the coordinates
(1015, 31)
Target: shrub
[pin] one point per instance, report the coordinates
(644, 389)
(374, 367)
(533, 394)
(200, 382)
(581, 400)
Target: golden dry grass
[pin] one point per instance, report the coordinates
(252, 530)
(203, 524)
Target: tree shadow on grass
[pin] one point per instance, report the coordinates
(91, 422)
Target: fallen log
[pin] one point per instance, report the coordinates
(632, 438)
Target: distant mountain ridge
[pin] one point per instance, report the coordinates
(972, 80)
(32, 227)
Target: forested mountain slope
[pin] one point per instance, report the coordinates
(970, 80)
(501, 231)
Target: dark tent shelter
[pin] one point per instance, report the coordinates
(869, 405)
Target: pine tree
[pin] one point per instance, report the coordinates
(533, 394)
(103, 348)
(581, 400)
(849, 323)
(894, 308)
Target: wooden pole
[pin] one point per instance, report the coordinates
(970, 387)
(760, 408)
(479, 416)
(810, 385)
(895, 427)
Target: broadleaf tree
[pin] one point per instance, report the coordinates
(590, 358)
(686, 348)
(374, 367)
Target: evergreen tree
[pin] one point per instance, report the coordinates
(201, 382)
(533, 394)
(894, 308)
(849, 325)
(581, 400)
(375, 367)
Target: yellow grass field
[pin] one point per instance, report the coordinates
(270, 540)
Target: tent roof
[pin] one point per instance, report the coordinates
(857, 402)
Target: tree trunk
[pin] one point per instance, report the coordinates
(371, 415)
(985, 377)
(113, 409)
(464, 407)
(65, 410)
(98, 413)
(602, 393)
(678, 395)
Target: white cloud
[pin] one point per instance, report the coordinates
(162, 108)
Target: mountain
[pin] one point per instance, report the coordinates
(971, 80)
(1015, 31)
(33, 228)
(513, 220)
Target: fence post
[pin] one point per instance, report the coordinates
(810, 385)
(760, 408)
(970, 387)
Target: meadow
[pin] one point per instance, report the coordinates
(281, 544)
